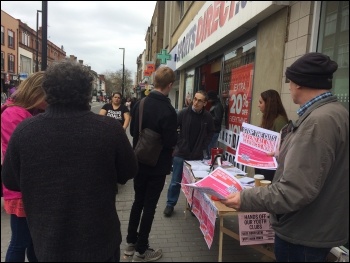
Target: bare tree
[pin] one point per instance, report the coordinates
(114, 82)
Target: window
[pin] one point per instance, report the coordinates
(25, 39)
(2, 35)
(2, 61)
(155, 26)
(181, 8)
(343, 56)
(11, 39)
(11, 65)
(333, 40)
(331, 24)
(25, 64)
(345, 19)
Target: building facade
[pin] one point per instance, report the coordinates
(241, 48)
(9, 50)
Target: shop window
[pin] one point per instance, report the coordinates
(333, 40)
(236, 88)
(189, 87)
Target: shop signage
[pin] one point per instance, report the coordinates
(214, 21)
(240, 95)
(163, 56)
(23, 75)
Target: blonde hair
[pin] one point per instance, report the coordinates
(29, 94)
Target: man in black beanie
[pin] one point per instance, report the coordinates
(309, 197)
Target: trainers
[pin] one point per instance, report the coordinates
(129, 249)
(149, 255)
(168, 211)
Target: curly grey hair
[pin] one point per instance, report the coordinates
(68, 83)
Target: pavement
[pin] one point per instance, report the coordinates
(178, 236)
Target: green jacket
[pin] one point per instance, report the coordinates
(309, 197)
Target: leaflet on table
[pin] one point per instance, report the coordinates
(224, 163)
(254, 145)
(218, 183)
(198, 165)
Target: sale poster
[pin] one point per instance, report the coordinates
(240, 97)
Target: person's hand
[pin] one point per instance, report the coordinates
(232, 200)
(270, 154)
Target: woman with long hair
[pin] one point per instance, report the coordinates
(26, 101)
(274, 118)
(117, 110)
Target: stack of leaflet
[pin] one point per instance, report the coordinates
(247, 182)
(199, 169)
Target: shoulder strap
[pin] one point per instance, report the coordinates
(141, 113)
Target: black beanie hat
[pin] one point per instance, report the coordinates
(313, 70)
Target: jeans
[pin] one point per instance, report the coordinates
(148, 188)
(175, 184)
(213, 144)
(288, 252)
(21, 241)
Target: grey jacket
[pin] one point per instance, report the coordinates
(309, 197)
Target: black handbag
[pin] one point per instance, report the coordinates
(149, 145)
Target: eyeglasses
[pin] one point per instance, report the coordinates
(198, 100)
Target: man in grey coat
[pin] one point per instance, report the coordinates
(309, 197)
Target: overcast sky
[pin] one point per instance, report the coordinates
(93, 31)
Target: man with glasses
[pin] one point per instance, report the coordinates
(196, 130)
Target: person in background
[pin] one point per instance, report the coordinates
(308, 200)
(128, 103)
(196, 131)
(26, 101)
(217, 112)
(3, 97)
(117, 110)
(160, 116)
(67, 182)
(132, 103)
(274, 118)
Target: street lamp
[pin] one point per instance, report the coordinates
(37, 41)
(123, 82)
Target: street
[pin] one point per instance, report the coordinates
(179, 236)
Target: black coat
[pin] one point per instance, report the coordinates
(182, 148)
(67, 162)
(160, 116)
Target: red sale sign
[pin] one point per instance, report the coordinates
(240, 96)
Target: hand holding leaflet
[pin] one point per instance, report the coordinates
(218, 183)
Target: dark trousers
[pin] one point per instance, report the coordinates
(115, 257)
(21, 241)
(147, 192)
(288, 252)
